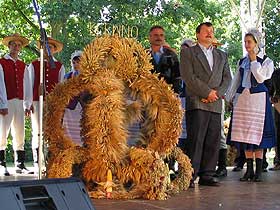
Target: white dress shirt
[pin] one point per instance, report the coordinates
(3, 93)
(208, 52)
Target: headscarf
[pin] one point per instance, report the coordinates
(76, 53)
(257, 36)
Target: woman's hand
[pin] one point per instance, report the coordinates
(252, 55)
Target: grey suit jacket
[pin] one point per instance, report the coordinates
(199, 79)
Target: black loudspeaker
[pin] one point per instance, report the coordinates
(46, 194)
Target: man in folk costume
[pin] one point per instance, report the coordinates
(12, 75)
(52, 75)
(252, 127)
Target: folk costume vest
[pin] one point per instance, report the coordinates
(255, 86)
(13, 76)
(51, 77)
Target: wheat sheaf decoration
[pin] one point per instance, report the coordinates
(113, 69)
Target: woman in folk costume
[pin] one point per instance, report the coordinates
(72, 114)
(252, 127)
(52, 75)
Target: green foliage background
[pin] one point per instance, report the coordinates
(71, 22)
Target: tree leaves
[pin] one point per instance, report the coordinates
(272, 28)
(71, 22)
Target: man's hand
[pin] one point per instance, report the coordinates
(3, 112)
(29, 111)
(203, 100)
(213, 96)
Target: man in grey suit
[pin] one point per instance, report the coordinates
(206, 73)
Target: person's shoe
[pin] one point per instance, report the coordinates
(21, 169)
(237, 168)
(220, 172)
(192, 184)
(257, 178)
(4, 171)
(259, 169)
(276, 167)
(208, 181)
(264, 170)
(247, 177)
(264, 165)
(249, 174)
(3, 167)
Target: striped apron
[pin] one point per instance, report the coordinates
(248, 117)
(71, 123)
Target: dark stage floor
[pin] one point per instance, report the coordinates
(231, 195)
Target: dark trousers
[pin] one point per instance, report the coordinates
(277, 126)
(240, 158)
(203, 141)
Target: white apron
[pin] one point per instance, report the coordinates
(71, 123)
(248, 118)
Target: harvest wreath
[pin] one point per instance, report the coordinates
(112, 69)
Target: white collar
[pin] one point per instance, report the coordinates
(204, 48)
(7, 56)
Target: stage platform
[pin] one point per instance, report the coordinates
(230, 195)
